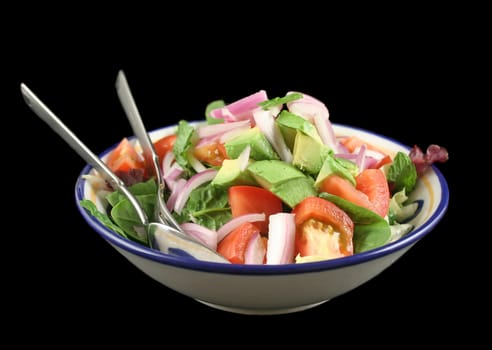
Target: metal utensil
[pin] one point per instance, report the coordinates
(160, 236)
(162, 213)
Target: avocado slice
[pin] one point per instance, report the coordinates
(293, 191)
(290, 123)
(309, 154)
(230, 173)
(284, 180)
(261, 149)
(269, 173)
(339, 166)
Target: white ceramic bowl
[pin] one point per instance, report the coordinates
(276, 289)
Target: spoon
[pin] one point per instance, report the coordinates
(160, 236)
(162, 213)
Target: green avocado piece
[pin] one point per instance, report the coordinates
(293, 191)
(230, 174)
(284, 180)
(340, 167)
(309, 154)
(261, 149)
(269, 173)
(290, 123)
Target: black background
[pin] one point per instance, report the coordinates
(406, 85)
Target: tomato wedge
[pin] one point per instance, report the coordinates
(373, 183)
(342, 187)
(250, 200)
(322, 229)
(126, 163)
(233, 246)
(164, 145)
(371, 190)
(212, 153)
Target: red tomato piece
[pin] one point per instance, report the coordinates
(252, 199)
(126, 163)
(373, 183)
(164, 145)
(343, 188)
(322, 229)
(212, 153)
(233, 246)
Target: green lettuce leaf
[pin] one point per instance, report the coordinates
(103, 218)
(280, 100)
(185, 136)
(402, 173)
(207, 205)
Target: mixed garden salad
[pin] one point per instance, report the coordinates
(267, 181)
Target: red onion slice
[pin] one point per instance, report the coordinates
(255, 251)
(201, 233)
(266, 123)
(194, 182)
(281, 239)
(236, 222)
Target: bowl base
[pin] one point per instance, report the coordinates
(245, 311)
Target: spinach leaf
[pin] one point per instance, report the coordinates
(105, 219)
(207, 205)
(125, 216)
(371, 236)
(280, 100)
(402, 173)
(141, 188)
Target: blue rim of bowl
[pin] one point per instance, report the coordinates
(192, 264)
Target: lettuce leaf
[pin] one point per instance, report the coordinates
(402, 173)
(208, 206)
(276, 101)
(103, 218)
(123, 215)
(185, 136)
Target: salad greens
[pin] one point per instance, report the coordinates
(182, 145)
(207, 206)
(277, 101)
(402, 173)
(284, 147)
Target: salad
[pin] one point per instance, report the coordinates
(267, 181)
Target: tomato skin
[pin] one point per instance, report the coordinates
(371, 190)
(212, 153)
(233, 246)
(164, 145)
(373, 183)
(343, 188)
(126, 163)
(322, 229)
(353, 142)
(252, 199)
(383, 161)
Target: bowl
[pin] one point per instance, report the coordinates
(283, 288)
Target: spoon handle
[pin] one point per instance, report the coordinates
(133, 115)
(151, 158)
(65, 133)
